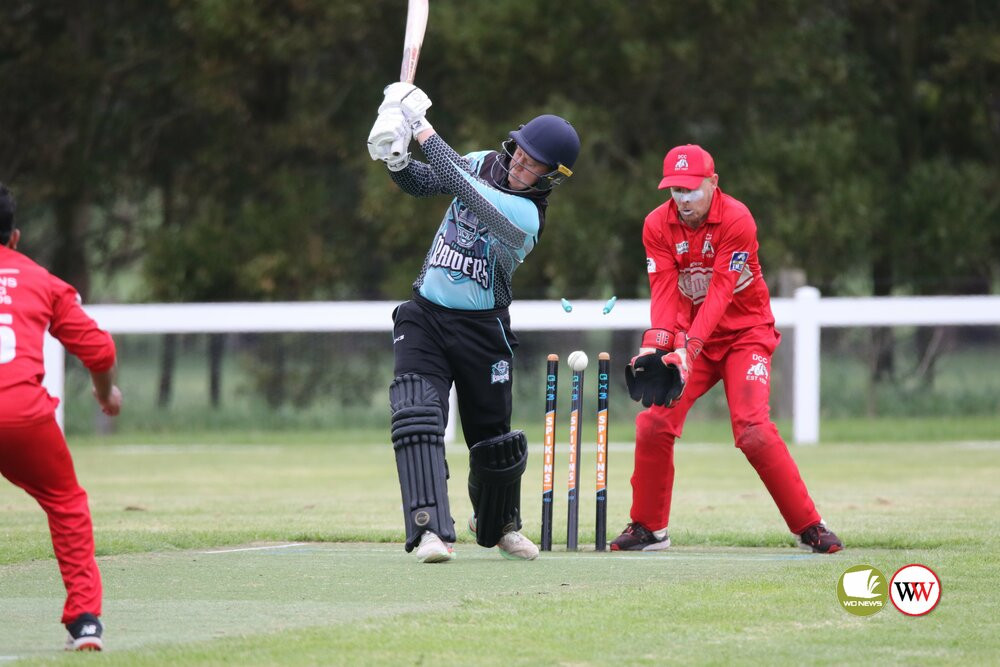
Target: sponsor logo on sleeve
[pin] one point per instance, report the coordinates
(650, 265)
(681, 247)
(738, 261)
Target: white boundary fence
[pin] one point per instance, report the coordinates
(807, 313)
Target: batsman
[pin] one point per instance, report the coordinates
(456, 328)
(711, 320)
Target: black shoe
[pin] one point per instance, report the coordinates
(85, 634)
(636, 537)
(820, 540)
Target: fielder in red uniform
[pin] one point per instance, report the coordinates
(33, 452)
(711, 320)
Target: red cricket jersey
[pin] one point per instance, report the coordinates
(707, 281)
(31, 301)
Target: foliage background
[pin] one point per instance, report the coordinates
(213, 150)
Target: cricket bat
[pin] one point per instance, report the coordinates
(416, 26)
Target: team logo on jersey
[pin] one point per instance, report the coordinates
(467, 225)
(461, 248)
(758, 370)
(738, 261)
(693, 282)
(650, 265)
(682, 162)
(681, 247)
(500, 372)
(706, 249)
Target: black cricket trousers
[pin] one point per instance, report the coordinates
(474, 349)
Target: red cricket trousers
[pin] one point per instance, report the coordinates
(744, 366)
(35, 457)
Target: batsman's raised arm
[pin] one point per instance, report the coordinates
(418, 179)
(511, 217)
(506, 190)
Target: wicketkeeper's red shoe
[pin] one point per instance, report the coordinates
(85, 634)
(636, 537)
(820, 540)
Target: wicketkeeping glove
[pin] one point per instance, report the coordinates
(657, 376)
(645, 375)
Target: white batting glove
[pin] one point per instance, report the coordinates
(391, 127)
(412, 101)
(398, 163)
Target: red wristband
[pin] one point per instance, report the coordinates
(658, 338)
(692, 345)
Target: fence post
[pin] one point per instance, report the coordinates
(783, 365)
(806, 346)
(55, 374)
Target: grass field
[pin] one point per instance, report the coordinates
(285, 549)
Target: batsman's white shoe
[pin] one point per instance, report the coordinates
(515, 546)
(433, 550)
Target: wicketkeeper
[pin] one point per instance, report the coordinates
(455, 328)
(711, 320)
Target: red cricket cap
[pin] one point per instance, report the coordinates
(686, 167)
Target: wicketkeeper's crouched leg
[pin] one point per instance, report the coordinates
(769, 456)
(653, 475)
(418, 441)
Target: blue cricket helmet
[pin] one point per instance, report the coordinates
(550, 140)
